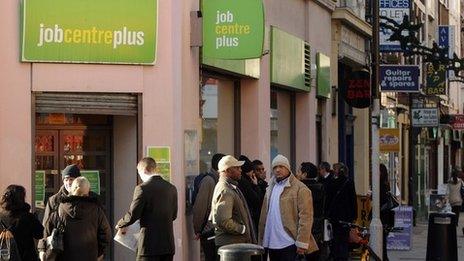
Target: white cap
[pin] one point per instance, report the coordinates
(280, 160)
(228, 162)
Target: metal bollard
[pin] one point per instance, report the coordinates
(441, 237)
(240, 252)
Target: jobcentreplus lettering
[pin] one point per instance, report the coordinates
(57, 34)
(225, 28)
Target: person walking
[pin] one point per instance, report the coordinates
(342, 206)
(87, 232)
(455, 198)
(308, 174)
(68, 175)
(15, 215)
(229, 211)
(387, 216)
(287, 215)
(248, 185)
(155, 204)
(204, 230)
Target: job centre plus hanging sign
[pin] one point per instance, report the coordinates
(89, 31)
(233, 29)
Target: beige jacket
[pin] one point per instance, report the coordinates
(230, 215)
(202, 206)
(455, 192)
(296, 209)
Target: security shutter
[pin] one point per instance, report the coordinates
(87, 103)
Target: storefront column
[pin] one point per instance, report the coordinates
(255, 116)
(361, 149)
(305, 127)
(440, 167)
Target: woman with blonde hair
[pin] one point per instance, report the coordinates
(86, 229)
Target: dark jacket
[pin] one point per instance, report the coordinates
(87, 231)
(155, 204)
(253, 196)
(343, 202)
(54, 201)
(387, 217)
(25, 228)
(317, 191)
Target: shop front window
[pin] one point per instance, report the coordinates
(217, 112)
(281, 124)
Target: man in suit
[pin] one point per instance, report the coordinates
(155, 204)
(229, 211)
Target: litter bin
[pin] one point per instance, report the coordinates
(241, 252)
(441, 237)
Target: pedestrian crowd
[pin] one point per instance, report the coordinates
(298, 215)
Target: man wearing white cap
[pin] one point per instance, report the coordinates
(229, 211)
(287, 215)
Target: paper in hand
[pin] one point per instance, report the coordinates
(131, 238)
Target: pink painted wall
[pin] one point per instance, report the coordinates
(15, 105)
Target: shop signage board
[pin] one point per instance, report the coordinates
(457, 121)
(94, 178)
(39, 189)
(425, 117)
(323, 75)
(389, 140)
(396, 10)
(88, 31)
(445, 36)
(233, 29)
(162, 156)
(436, 80)
(399, 78)
(401, 240)
(356, 89)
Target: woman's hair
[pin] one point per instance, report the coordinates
(80, 187)
(384, 175)
(13, 198)
(454, 175)
(310, 170)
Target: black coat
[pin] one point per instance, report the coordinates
(254, 197)
(155, 204)
(387, 217)
(318, 194)
(87, 231)
(25, 228)
(342, 204)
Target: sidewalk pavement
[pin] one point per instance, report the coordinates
(419, 243)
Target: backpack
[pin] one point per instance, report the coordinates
(197, 183)
(8, 247)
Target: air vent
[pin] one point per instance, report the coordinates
(307, 65)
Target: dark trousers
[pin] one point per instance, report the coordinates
(339, 250)
(168, 257)
(284, 254)
(384, 245)
(456, 210)
(209, 249)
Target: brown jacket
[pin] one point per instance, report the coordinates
(202, 206)
(230, 214)
(296, 209)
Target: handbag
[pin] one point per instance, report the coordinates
(390, 204)
(54, 242)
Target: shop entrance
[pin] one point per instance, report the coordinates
(64, 139)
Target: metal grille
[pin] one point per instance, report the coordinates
(86, 103)
(307, 65)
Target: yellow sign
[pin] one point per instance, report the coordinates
(389, 140)
(364, 210)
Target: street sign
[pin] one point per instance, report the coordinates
(396, 10)
(446, 37)
(356, 89)
(399, 78)
(425, 117)
(389, 140)
(435, 80)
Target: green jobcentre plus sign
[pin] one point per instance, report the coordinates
(89, 31)
(233, 29)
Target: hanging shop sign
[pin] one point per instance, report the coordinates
(396, 10)
(233, 29)
(323, 75)
(425, 117)
(389, 140)
(88, 31)
(436, 80)
(457, 121)
(162, 156)
(39, 189)
(357, 89)
(399, 78)
(94, 178)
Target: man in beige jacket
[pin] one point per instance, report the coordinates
(229, 211)
(287, 215)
